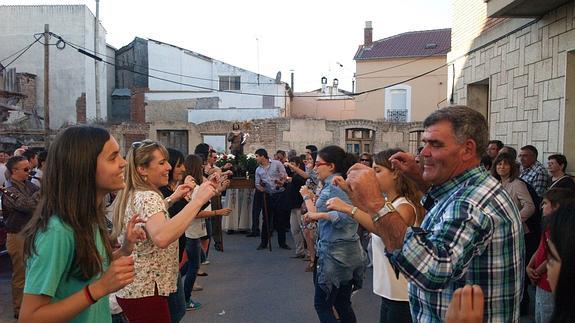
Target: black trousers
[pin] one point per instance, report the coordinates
(278, 213)
(257, 208)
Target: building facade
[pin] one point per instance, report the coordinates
(72, 75)
(514, 61)
(205, 88)
(401, 78)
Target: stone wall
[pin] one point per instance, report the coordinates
(274, 134)
(526, 74)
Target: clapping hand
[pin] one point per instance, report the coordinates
(363, 188)
(134, 232)
(119, 274)
(466, 305)
(336, 204)
(305, 191)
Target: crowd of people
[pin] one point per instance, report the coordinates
(455, 233)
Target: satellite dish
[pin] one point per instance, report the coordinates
(279, 77)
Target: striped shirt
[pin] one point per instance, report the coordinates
(472, 235)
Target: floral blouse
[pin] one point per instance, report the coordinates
(152, 265)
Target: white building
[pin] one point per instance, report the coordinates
(71, 73)
(210, 89)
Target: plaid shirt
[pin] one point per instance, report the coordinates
(536, 176)
(472, 235)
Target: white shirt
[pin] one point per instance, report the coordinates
(3, 170)
(197, 228)
(385, 283)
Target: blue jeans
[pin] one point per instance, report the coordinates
(394, 311)
(193, 250)
(340, 298)
(177, 302)
(544, 303)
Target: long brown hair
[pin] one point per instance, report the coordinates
(69, 192)
(403, 185)
(194, 167)
(141, 154)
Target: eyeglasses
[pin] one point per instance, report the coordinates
(366, 160)
(145, 142)
(317, 164)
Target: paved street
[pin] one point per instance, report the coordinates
(246, 285)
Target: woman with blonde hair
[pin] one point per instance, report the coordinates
(155, 259)
(404, 197)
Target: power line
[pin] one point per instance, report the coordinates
(246, 93)
(212, 80)
(402, 64)
(21, 52)
(161, 71)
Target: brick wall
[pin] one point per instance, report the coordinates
(137, 105)
(27, 86)
(81, 108)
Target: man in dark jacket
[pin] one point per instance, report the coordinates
(18, 203)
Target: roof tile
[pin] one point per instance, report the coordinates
(409, 44)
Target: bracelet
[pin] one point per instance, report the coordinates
(89, 295)
(353, 210)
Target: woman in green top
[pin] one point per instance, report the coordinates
(68, 250)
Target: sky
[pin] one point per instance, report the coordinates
(311, 38)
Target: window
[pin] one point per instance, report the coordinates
(359, 141)
(398, 103)
(268, 101)
(218, 142)
(415, 141)
(176, 139)
(230, 83)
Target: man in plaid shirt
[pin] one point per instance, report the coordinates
(532, 171)
(472, 233)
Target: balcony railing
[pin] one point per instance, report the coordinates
(396, 115)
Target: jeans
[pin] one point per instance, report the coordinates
(394, 311)
(193, 250)
(544, 303)
(340, 298)
(177, 302)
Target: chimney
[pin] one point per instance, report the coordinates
(323, 85)
(335, 84)
(367, 34)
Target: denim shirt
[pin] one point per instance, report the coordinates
(340, 255)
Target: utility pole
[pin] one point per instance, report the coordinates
(96, 67)
(47, 85)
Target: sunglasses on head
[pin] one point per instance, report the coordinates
(145, 142)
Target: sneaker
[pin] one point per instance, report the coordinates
(191, 305)
(207, 262)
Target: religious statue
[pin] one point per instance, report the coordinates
(237, 140)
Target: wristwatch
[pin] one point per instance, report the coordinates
(169, 200)
(387, 208)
